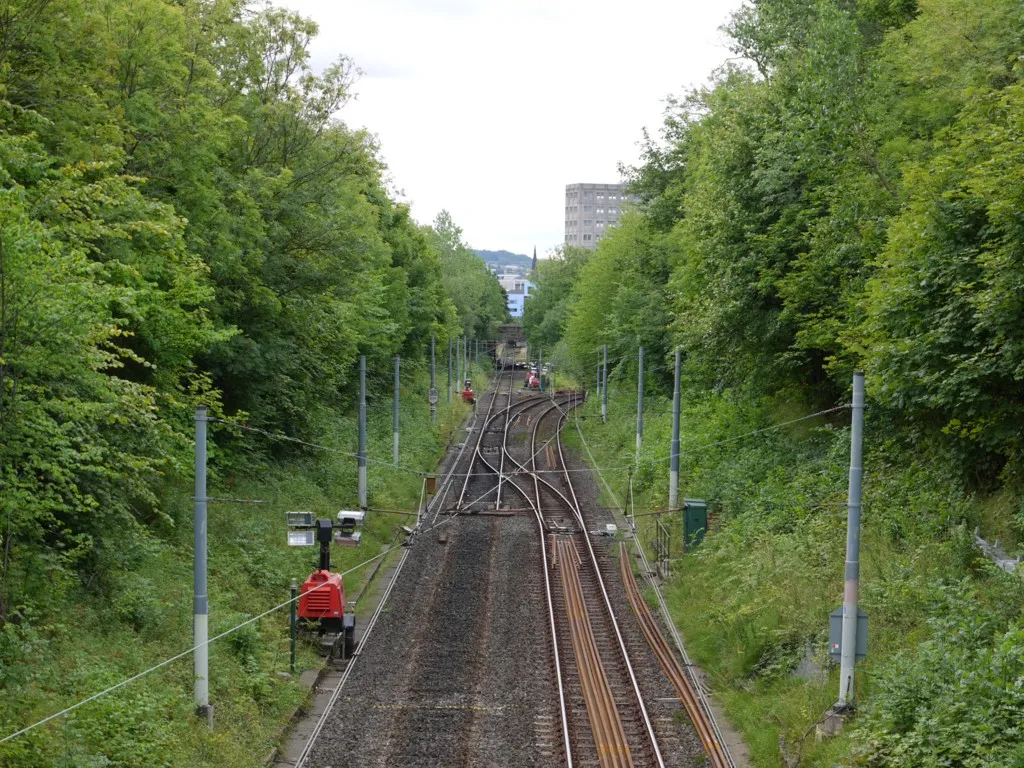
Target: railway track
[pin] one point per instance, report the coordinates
(430, 519)
(607, 719)
(460, 696)
(717, 754)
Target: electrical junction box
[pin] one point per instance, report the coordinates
(695, 522)
(835, 634)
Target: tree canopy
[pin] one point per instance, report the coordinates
(844, 195)
(186, 219)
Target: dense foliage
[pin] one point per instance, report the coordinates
(185, 219)
(845, 194)
(850, 199)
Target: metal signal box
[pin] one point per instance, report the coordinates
(835, 634)
(695, 522)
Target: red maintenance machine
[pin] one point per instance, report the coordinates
(322, 610)
(467, 393)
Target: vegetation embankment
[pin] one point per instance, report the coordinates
(844, 196)
(185, 220)
(80, 639)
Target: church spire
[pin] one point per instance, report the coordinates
(535, 257)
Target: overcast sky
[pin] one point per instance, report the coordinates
(490, 107)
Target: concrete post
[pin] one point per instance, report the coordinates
(362, 431)
(458, 365)
(449, 370)
(394, 420)
(640, 405)
(200, 603)
(540, 367)
(433, 384)
(673, 477)
(604, 384)
(848, 652)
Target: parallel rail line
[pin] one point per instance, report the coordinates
(717, 754)
(582, 619)
(606, 723)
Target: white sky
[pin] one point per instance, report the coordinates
(490, 107)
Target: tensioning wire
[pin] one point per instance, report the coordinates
(194, 648)
(317, 446)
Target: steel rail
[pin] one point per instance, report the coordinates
(717, 754)
(649, 727)
(605, 720)
(483, 429)
(502, 476)
(606, 725)
(666, 616)
(508, 418)
(534, 473)
(551, 617)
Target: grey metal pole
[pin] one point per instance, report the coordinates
(362, 431)
(458, 365)
(673, 477)
(394, 420)
(604, 381)
(433, 386)
(200, 603)
(848, 651)
(540, 367)
(640, 406)
(293, 622)
(449, 370)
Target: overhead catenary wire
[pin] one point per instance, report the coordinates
(625, 467)
(384, 552)
(285, 604)
(317, 446)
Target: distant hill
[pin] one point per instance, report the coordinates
(505, 258)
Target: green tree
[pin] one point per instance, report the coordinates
(480, 302)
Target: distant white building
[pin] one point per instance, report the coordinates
(518, 288)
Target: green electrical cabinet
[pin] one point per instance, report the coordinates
(695, 522)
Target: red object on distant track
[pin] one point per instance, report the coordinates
(322, 599)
